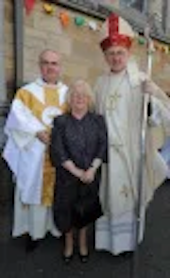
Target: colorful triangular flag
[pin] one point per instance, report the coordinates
(29, 5)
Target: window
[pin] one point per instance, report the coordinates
(137, 4)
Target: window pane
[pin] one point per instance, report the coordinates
(137, 4)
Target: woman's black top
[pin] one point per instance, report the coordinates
(78, 140)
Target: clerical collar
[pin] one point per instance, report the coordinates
(122, 71)
(117, 74)
(55, 84)
(43, 83)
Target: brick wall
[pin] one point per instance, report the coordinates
(78, 45)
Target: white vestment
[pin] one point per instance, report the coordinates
(119, 99)
(165, 152)
(25, 155)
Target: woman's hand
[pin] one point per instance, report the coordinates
(71, 167)
(88, 175)
(79, 173)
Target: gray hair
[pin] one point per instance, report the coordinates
(40, 58)
(87, 90)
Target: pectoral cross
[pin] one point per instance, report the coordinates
(113, 100)
(125, 191)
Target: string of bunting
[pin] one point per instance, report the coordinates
(65, 18)
(158, 46)
(81, 21)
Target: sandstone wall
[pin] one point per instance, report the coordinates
(79, 46)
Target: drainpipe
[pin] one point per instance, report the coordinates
(2, 65)
(5, 224)
(18, 60)
(6, 177)
(146, 7)
(3, 93)
(165, 6)
(18, 42)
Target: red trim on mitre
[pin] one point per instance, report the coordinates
(114, 37)
(117, 40)
(113, 22)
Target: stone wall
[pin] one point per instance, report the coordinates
(78, 45)
(160, 65)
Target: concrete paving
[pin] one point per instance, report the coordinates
(46, 262)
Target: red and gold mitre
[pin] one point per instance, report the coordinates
(116, 32)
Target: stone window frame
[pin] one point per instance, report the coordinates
(136, 4)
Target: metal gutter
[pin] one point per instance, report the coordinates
(3, 91)
(18, 42)
(87, 7)
(2, 50)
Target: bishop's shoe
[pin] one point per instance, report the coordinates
(30, 244)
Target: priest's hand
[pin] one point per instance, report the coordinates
(25, 206)
(44, 137)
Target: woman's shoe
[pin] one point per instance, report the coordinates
(68, 247)
(84, 257)
(67, 258)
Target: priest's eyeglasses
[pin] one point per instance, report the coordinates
(49, 63)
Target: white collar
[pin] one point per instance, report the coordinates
(42, 83)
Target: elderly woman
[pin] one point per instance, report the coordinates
(78, 147)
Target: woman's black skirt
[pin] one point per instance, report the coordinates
(75, 204)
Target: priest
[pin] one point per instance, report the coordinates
(28, 130)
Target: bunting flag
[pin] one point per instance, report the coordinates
(48, 8)
(29, 5)
(92, 25)
(64, 18)
(79, 20)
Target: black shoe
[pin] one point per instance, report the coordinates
(67, 259)
(127, 254)
(84, 258)
(31, 245)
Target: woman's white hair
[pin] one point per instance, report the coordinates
(86, 89)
